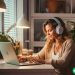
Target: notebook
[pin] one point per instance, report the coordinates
(10, 56)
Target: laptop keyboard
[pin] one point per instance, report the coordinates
(30, 63)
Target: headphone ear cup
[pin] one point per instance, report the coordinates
(59, 29)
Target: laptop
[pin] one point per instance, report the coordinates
(10, 56)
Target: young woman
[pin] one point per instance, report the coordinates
(59, 48)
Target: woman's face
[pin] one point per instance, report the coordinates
(50, 32)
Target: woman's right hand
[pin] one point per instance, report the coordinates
(22, 58)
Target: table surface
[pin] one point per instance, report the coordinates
(3, 65)
(43, 69)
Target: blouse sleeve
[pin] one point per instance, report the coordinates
(41, 54)
(65, 60)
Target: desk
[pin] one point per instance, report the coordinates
(8, 69)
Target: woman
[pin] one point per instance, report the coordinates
(59, 47)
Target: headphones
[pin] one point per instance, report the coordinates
(59, 29)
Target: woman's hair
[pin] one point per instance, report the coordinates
(55, 24)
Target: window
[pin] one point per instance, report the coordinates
(10, 17)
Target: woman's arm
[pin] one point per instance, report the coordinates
(65, 60)
(40, 56)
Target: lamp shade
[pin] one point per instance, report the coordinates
(2, 6)
(22, 23)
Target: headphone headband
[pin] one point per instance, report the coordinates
(58, 22)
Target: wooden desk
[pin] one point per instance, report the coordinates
(8, 69)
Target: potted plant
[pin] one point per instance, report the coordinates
(5, 38)
(72, 29)
(73, 33)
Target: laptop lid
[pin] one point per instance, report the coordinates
(8, 53)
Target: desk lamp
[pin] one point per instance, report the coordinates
(21, 23)
(2, 6)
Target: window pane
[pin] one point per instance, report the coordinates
(9, 17)
(38, 32)
(73, 6)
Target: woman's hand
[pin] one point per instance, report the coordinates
(35, 59)
(32, 58)
(22, 58)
